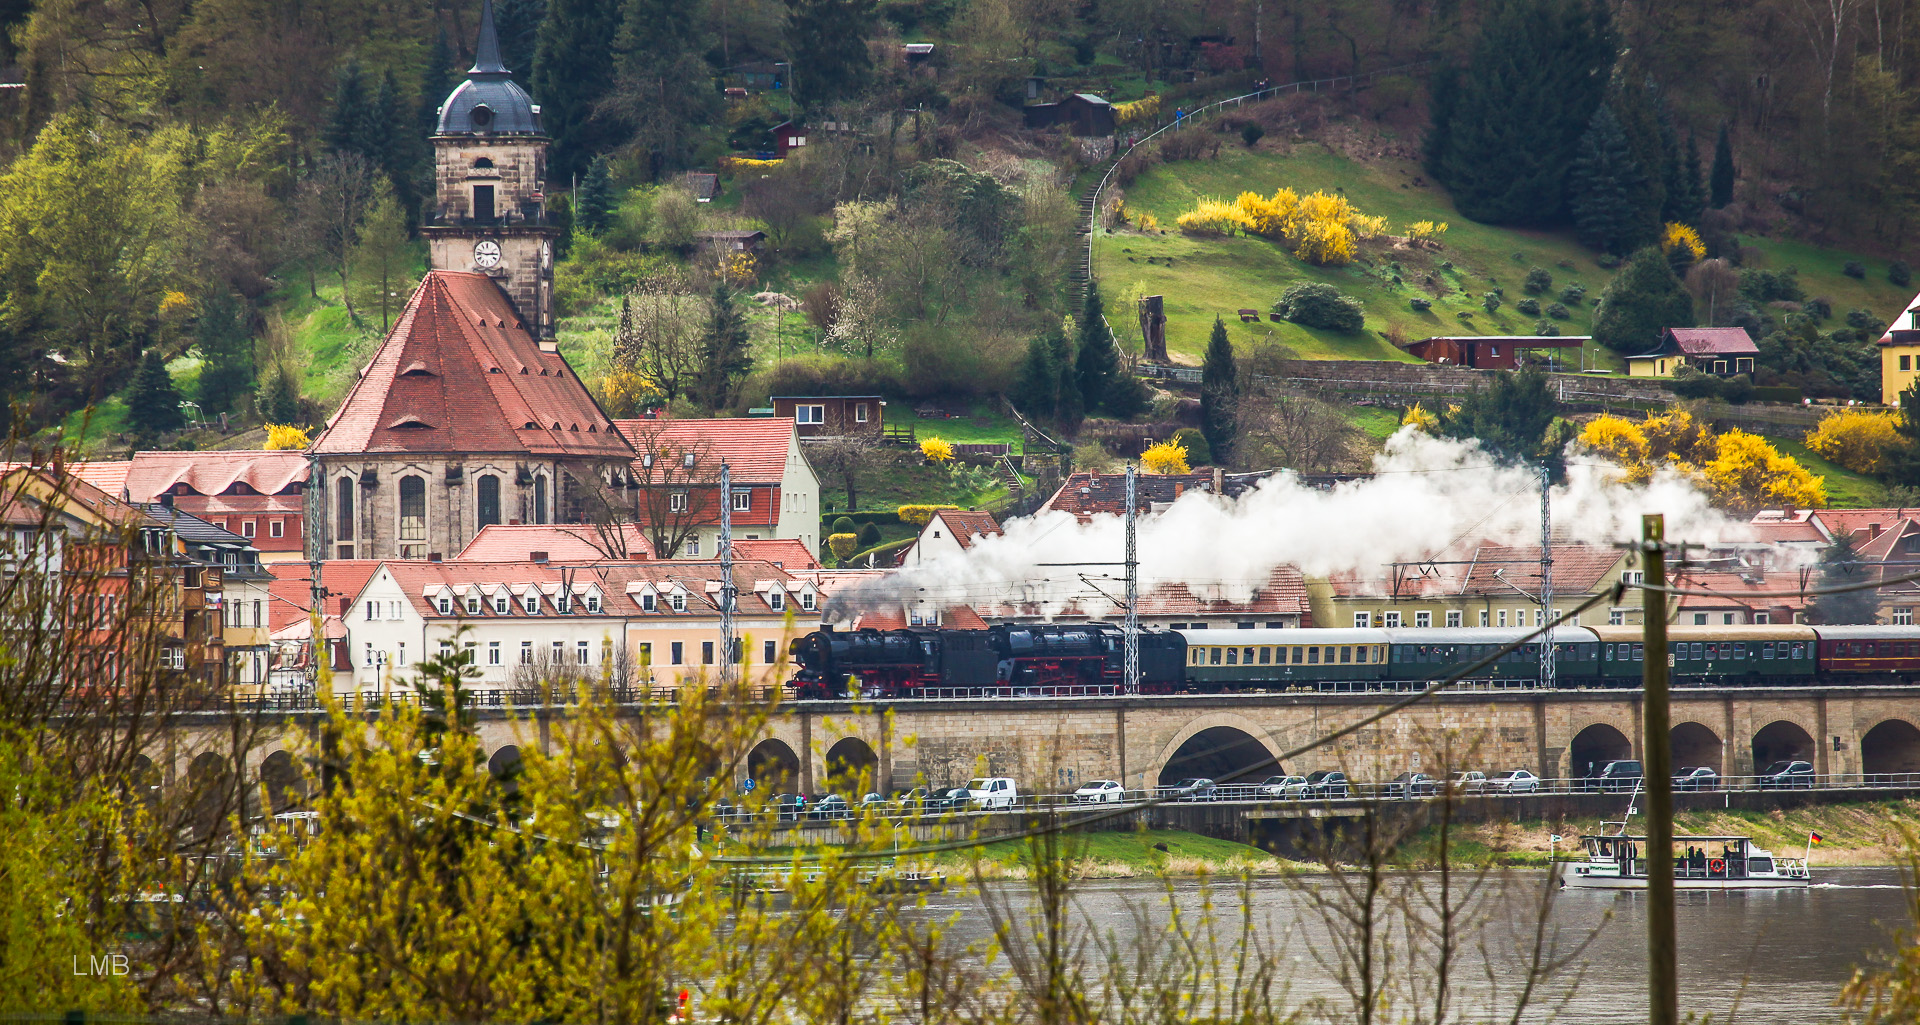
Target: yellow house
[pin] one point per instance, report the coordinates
(1721, 351)
(1900, 353)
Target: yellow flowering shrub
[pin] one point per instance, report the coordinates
(286, 437)
(1325, 244)
(175, 304)
(1165, 457)
(1321, 228)
(1138, 110)
(1212, 217)
(1620, 440)
(920, 515)
(748, 163)
(1682, 242)
(1418, 418)
(1426, 231)
(1856, 438)
(936, 450)
(1743, 472)
(1146, 222)
(842, 545)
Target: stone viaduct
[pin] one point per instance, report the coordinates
(1051, 744)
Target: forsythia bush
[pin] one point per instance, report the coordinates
(1742, 471)
(1426, 231)
(936, 450)
(748, 163)
(286, 436)
(1165, 457)
(918, 515)
(1321, 228)
(1138, 110)
(1419, 419)
(842, 545)
(1679, 241)
(1856, 438)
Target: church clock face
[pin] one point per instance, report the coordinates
(486, 254)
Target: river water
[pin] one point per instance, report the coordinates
(1773, 957)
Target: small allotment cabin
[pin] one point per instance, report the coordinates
(1721, 351)
(832, 416)
(1488, 352)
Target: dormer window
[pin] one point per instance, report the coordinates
(777, 600)
(502, 604)
(482, 116)
(444, 604)
(532, 604)
(646, 601)
(679, 601)
(473, 605)
(806, 600)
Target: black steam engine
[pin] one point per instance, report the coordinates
(1037, 658)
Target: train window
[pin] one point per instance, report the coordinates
(1766, 650)
(1869, 649)
(1639, 653)
(1697, 648)
(1364, 654)
(1346, 655)
(1313, 656)
(1246, 656)
(1800, 650)
(1279, 656)
(1214, 659)
(1609, 651)
(1233, 656)
(1266, 656)
(1739, 651)
(1196, 656)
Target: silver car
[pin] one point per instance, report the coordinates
(1512, 781)
(1285, 788)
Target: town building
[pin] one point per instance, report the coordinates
(1084, 114)
(1720, 351)
(950, 532)
(234, 588)
(675, 483)
(1900, 353)
(257, 494)
(833, 416)
(1476, 585)
(290, 620)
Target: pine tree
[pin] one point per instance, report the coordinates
(1097, 366)
(225, 342)
(153, 406)
(349, 123)
(596, 197)
(518, 25)
(1643, 300)
(1840, 566)
(1512, 418)
(724, 353)
(1606, 188)
(1720, 181)
(437, 79)
(1641, 111)
(1694, 202)
(1068, 405)
(1033, 388)
(1509, 132)
(829, 40)
(279, 398)
(1219, 394)
(572, 72)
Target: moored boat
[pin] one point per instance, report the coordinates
(1619, 862)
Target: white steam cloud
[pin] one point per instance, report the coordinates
(1428, 494)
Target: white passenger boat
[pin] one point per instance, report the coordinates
(1619, 862)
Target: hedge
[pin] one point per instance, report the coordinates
(882, 516)
(1776, 393)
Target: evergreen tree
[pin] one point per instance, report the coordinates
(724, 354)
(1219, 394)
(1097, 366)
(1693, 199)
(1641, 110)
(518, 24)
(1033, 387)
(225, 342)
(153, 406)
(596, 197)
(279, 398)
(1840, 566)
(829, 42)
(1644, 299)
(1720, 181)
(1607, 192)
(1068, 406)
(1535, 76)
(382, 257)
(572, 72)
(438, 76)
(1512, 418)
(662, 92)
(350, 124)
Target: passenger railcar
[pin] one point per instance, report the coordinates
(1713, 656)
(1869, 654)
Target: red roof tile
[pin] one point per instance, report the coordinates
(567, 542)
(787, 553)
(292, 589)
(1712, 341)
(754, 448)
(460, 374)
(150, 474)
(968, 525)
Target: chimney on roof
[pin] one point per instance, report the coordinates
(1873, 531)
(1219, 480)
(166, 499)
(345, 605)
(433, 557)
(537, 558)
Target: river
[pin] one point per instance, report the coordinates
(1782, 955)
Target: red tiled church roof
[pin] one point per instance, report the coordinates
(460, 374)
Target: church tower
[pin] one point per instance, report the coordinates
(490, 170)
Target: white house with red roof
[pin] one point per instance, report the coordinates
(950, 532)
(1900, 353)
(676, 470)
(1721, 351)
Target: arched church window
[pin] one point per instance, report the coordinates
(483, 164)
(488, 496)
(413, 509)
(343, 510)
(539, 500)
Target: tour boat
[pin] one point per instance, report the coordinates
(1619, 862)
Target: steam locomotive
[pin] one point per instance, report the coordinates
(1046, 658)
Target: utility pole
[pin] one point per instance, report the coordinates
(1663, 993)
(1546, 575)
(1130, 666)
(726, 575)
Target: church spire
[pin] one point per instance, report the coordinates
(486, 54)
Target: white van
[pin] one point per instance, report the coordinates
(992, 792)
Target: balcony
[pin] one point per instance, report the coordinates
(526, 215)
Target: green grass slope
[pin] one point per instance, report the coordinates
(1207, 277)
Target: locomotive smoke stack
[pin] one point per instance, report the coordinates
(1427, 496)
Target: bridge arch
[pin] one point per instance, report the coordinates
(852, 766)
(1781, 740)
(1223, 747)
(1595, 746)
(1892, 746)
(280, 778)
(773, 767)
(1693, 743)
(505, 764)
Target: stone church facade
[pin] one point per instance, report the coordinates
(467, 415)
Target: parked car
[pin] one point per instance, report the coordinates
(909, 802)
(993, 792)
(832, 806)
(1512, 781)
(1285, 788)
(1193, 789)
(789, 807)
(1409, 785)
(1100, 791)
(1616, 776)
(873, 803)
(1468, 782)
(1787, 774)
(1696, 777)
(949, 799)
(1327, 785)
